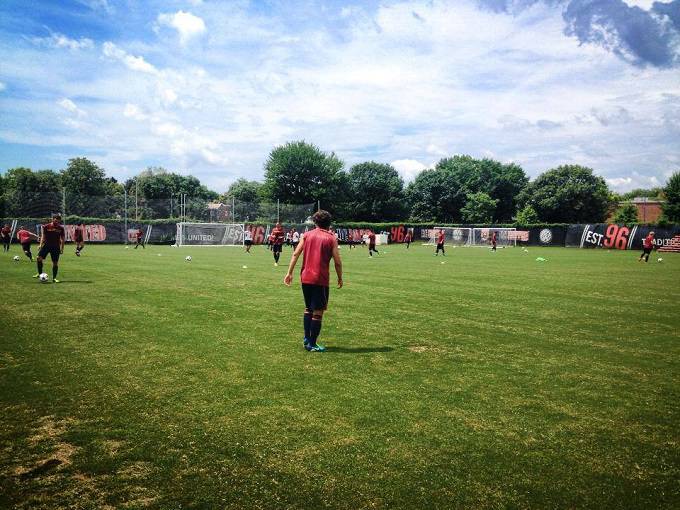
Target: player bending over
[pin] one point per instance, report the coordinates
(647, 245)
(317, 248)
(6, 235)
(440, 243)
(79, 238)
(277, 237)
(25, 237)
(52, 242)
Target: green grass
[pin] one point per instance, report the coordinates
(490, 381)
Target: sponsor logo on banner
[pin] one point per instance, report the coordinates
(457, 234)
(614, 237)
(96, 233)
(545, 236)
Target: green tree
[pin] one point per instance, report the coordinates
(527, 216)
(31, 193)
(671, 208)
(299, 173)
(479, 208)
(643, 192)
(244, 191)
(376, 192)
(568, 194)
(626, 215)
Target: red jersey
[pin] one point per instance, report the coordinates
(316, 255)
(277, 236)
(371, 238)
(53, 234)
(6, 231)
(493, 238)
(440, 238)
(24, 236)
(78, 234)
(648, 241)
(139, 234)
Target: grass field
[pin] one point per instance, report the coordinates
(487, 381)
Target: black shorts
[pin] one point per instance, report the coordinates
(646, 251)
(248, 242)
(316, 296)
(54, 252)
(6, 240)
(440, 246)
(277, 248)
(372, 247)
(26, 246)
(295, 243)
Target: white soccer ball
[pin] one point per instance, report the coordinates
(245, 267)
(16, 258)
(188, 258)
(659, 259)
(43, 277)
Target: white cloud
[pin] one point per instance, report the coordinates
(408, 168)
(633, 181)
(187, 25)
(57, 40)
(2, 86)
(131, 62)
(133, 111)
(70, 106)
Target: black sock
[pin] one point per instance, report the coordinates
(40, 267)
(314, 330)
(308, 324)
(55, 270)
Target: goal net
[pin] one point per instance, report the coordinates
(504, 236)
(454, 236)
(210, 234)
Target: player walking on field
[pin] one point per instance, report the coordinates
(52, 242)
(79, 238)
(248, 239)
(407, 239)
(139, 235)
(6, 235)
(277, 236)
(317, 248)
(295, 238)
(25, 237)
(647, 245)
(494, 241)
(440, 243)
(371, 243)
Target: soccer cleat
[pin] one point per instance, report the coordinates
(55, 280)
(316, 348)
(305, 343)
(77, 254)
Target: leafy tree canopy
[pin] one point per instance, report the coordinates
(671, 208)
(376, 192)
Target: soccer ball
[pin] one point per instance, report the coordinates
(16, 258)
(659, 259)
(43, 277)
(188, 258)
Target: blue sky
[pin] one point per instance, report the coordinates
(209, 88)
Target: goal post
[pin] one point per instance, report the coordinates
(454, 236)
(210, 234)
(504, 236)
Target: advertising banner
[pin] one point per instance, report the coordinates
(618, 237)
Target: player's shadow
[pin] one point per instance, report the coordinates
(75, 281)
(357, 350)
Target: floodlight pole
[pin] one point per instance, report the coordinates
(277, 211)
(63, 202)
(233, 210)
(136, 204)
(125, 208)
(318, 205)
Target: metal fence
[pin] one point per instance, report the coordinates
(181, 207)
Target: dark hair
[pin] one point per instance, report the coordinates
(322, 218)
(56, 217)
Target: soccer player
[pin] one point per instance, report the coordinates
(295, 238)
(139, 235)
(647, 245)
(441, 238)
(317, 248)
(6, 235)
(407, 239)
(248, 239)
(52, 242)
(494, 238)
(25, 237)
(277, 242)
(79, 238)
(371, 243)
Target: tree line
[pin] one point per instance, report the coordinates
(459, 189)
